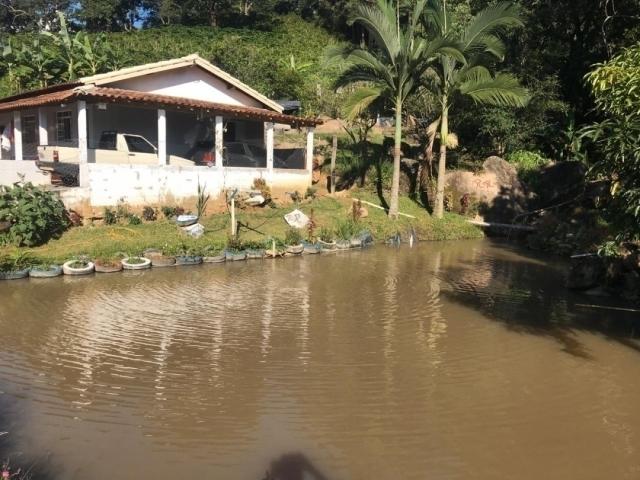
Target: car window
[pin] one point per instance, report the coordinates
(107, 141)
(138, 144)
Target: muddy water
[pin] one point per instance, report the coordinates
(446, 361)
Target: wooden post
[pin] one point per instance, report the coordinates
(233, 216)
(334, 153)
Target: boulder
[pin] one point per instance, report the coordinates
(496, 188)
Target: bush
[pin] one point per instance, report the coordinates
(35, 215)
(293, 236)
(110, 216)
(149, 214)
(346, 229)
(134, 219)
(526, 161)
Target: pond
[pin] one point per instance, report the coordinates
(449, 360)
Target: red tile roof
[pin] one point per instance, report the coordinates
(118, 95)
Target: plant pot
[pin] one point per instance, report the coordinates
(215, 259)
(311, 249)
(162, 261)
(355, 243)
(188, 260)
(52, 271)
(235, 256)
(255, 254)
(14, 274)
(295, 249)
(151, 252)
(186, 220)
(327, 245)
(88, 268)
(108, 267)
(146, 263)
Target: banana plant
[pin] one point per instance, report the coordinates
(70, 47)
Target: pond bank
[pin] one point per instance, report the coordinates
(258, 227)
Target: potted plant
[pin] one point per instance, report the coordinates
(14, 267)
(45, 270)
(235, 249)
(135, 263)
(186, 255)
(293, 242)
(78, 266)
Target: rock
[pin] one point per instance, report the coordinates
(363, 212)
(296, 219)
(496, 187)
(196, 230)
(631, 285)
(585, 272)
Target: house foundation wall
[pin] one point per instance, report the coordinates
(12, 171)
(139, 185)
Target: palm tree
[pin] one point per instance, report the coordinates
(391, 70)
(450, 77)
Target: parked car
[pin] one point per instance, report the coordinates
(113, 148)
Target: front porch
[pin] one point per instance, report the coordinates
(171, 146)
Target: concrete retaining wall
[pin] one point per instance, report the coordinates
(11, 172)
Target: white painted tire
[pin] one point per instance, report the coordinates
(136, 266)
(67, 269)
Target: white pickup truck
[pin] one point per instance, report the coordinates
(113, 148)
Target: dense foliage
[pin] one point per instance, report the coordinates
(34, 215)
(616, 139)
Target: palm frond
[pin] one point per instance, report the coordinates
(503, 90)
(380, 22)
(491, 21)
(361, 100)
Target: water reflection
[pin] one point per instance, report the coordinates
(439, 361)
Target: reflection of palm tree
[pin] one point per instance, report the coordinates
(293, 466)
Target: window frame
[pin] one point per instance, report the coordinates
(68, 114)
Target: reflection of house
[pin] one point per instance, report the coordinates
(152, 131)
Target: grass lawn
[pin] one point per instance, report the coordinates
(258, 226)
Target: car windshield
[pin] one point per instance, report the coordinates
(139, 144)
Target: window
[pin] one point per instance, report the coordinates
(29, 129)
(63, 126)
(139, 144)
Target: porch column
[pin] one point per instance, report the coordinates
(17, 136)
(268, 143)
(162, 137)
(43, 133)
(219, 140)
(83, 153)
(309, 156)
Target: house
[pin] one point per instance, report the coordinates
(149, 134)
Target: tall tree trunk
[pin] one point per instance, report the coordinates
(397, 151)
(442, 161)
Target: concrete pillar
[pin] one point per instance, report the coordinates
(309, 155)
(219, 140)
(162, 137)
(83, 151)
(43, 133)
(269, 144)
(17, 136)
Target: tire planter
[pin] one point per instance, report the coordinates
(188, 260)
(355, 243)
(14, 274)
(151, 252)
(186, 220)
(215, 259)
(162, 261)
(108, 267)
(69, 270)
(295, 249)
(343, 244)
(311, 249)
(327, 245)
(52, 271)
(255, 254)
(236, 256)
(146, 263)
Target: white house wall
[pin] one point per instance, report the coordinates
(140, 185)
(189, 82)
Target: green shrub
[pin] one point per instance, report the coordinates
(526, 161)
(346, 229)
(134, 219)
(110, 216)
(35, 215)
(293, 236)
